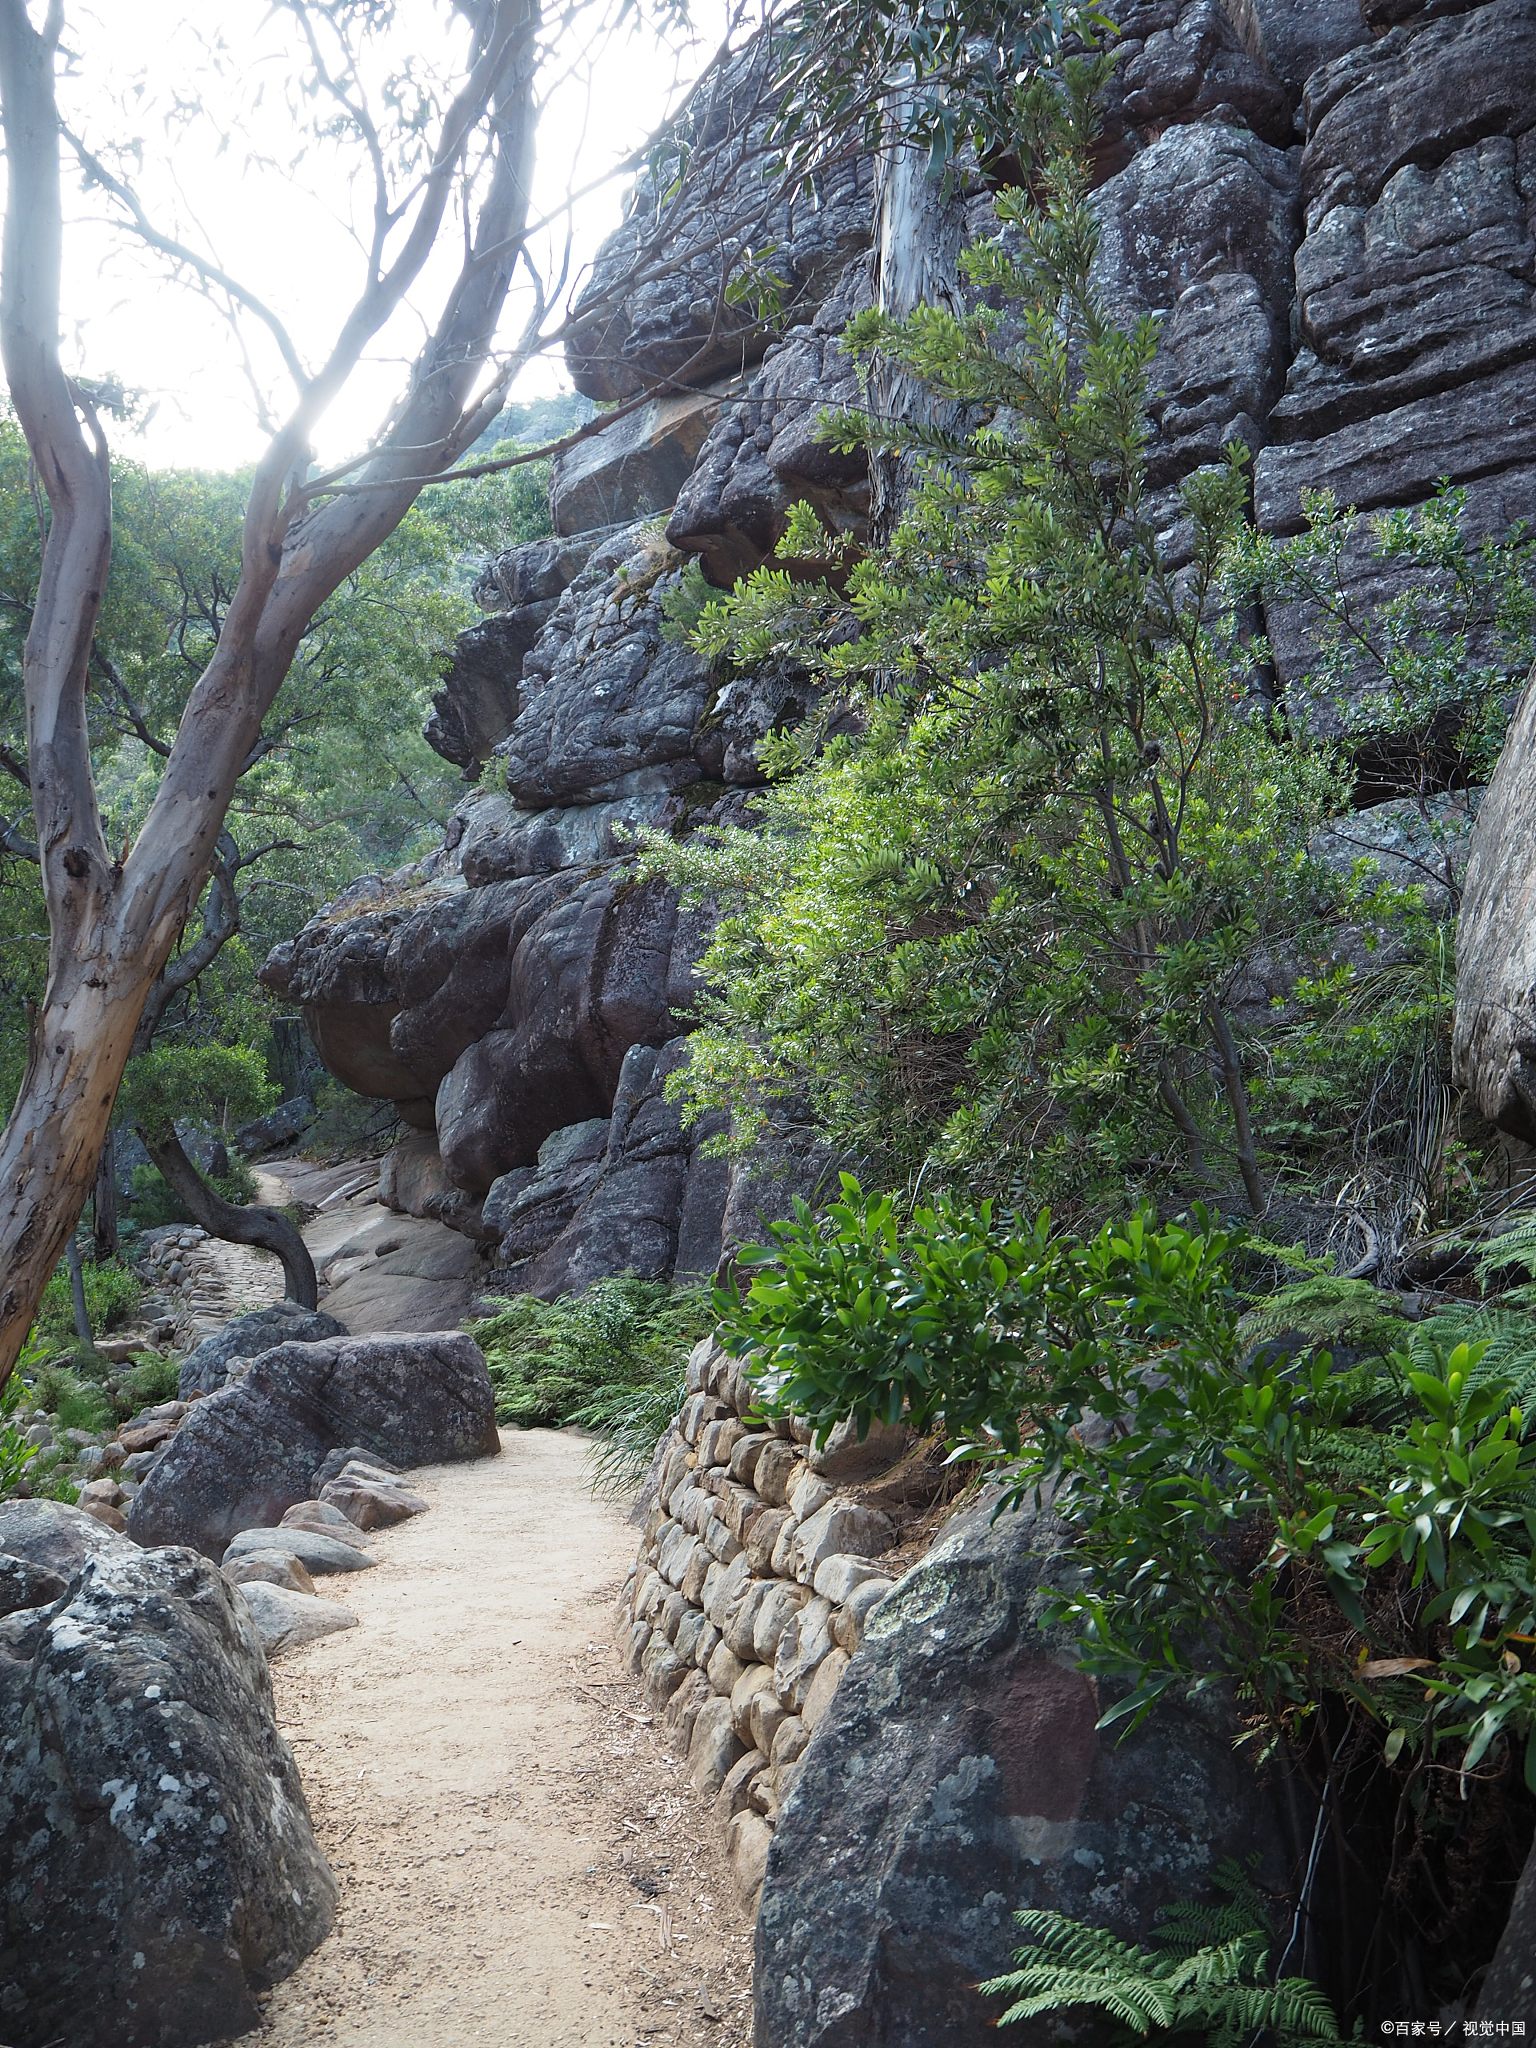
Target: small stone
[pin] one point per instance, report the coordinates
(650, 1591)
(106, 1490)
(145, 1436)
(745, 1452)
(747, 1842)
(683, 1709)
(698, 1570)
(808, 1492)
(319, 1553)
(724, 1668)
(736, 1790)
(845, 1460)
(91, 1461)
(765, 1718)
(803, 1648)
(741, 1619)
(101, 1511)
(789, 1743)
(848, 1622)
(756, 1678)
(285, 1619)
(842, 1526)
(823, 1685)
(40, 1436)
(137, 1463)
(317, 1515)
(762, 1539)
(836, 1577)
(662, 1669)
(708, 1643)
(713, 1749)
(271, 1570)
(777, 1464)
(781, 1561)
(372, 1507)
(670, 1613)
(634, 1646)
(719, 1541)
(783, 1601)
(689, 1631)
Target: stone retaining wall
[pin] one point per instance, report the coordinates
(757, 1570)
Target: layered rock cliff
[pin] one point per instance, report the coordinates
(1329, 210)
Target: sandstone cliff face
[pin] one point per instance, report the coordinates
(1330, 214)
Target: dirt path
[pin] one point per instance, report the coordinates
(519, 1865)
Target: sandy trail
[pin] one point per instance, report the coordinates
(518, 1864)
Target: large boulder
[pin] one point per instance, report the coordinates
(764, 454)
(160, 1869)
(1415, 316)
(653, 307)
(957, 1776)
(635, 467)
(609, 703)
(244, 1456)
(284, 1322)
(54, 1538)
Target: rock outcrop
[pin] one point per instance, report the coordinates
(160, 1867)
(245, 1455)
(960, 1758)
(1328, 214)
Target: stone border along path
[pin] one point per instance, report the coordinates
(518, 1862)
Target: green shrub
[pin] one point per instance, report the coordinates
(629, 1422)
(551, 1362)
(169, 1083)
(113, 1292)
(78, 1403)
(152, 1380)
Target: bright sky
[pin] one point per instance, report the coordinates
(211, 138)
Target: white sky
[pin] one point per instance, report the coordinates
(213, 147)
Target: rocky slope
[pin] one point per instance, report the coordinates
(1329, 210)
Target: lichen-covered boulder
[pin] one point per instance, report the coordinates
(958, 1775)
(158, 1868)
(283, 1322)
(246, 1455)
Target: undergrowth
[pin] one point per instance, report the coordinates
(610, 1360)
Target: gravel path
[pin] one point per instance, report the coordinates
(519, 1865)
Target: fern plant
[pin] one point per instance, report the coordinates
(1210, 1976)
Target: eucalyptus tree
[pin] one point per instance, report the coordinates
(451, 220)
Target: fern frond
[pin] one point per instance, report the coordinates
(1139, 2003)
(1513, 1247)
(1326, 1309)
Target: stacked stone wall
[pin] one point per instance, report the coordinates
(762, 1558)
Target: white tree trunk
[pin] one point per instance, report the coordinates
(1493, 1054)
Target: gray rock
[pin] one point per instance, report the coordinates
(268, 1568)
(960, 1756)
(319, 1553)
(160, 1865)
(285, 1619)
(1493, 1050)
(335, 1462)
(1200, 230)
(285, 1322)
(56, 1538)
(652, 307)
(25, 1584)
(1407, 845)
(502, 843)
(847, 1457)
(609, 707)
(244, 1456)
(763, 455)
(477, 701)
(636, 466)
(279, 1126)
(1186, 61)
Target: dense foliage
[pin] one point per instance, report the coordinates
(341, 782)
(611, 1360)
(1049, 917)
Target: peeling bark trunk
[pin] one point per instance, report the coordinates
(113, 923)
(267, 1228)
(104, 1199)
(1493, 1051)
